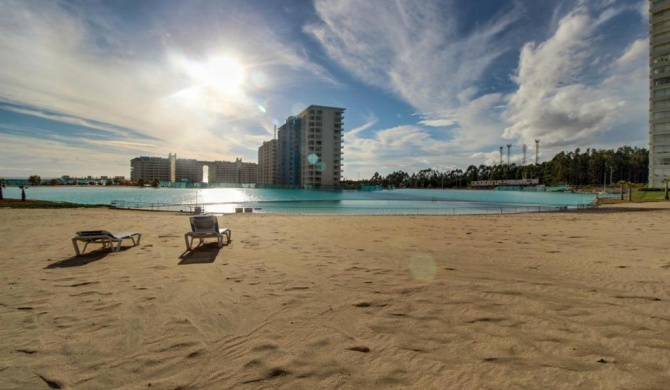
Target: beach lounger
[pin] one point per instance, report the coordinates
(205, 226)
(113, 240)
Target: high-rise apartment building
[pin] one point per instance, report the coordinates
(149, 168)
(659, 91)
(321, 157)
(309, 148)
(289, 143)
(267, 162)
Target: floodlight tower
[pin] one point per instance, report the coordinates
(537, 150)
(501, 155)
(508, 148)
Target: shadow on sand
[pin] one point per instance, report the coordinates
(202, 254)
(86, 258)
(77, 261)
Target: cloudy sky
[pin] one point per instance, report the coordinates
(87, 85)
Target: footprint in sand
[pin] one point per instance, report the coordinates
(359, 348)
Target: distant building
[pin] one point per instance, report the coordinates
(267, 162)
(149, 168)
(309, 148)
(289, 152)
(173, 169)
(659, 91)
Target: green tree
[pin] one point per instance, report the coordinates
(23, 193)
(141, 182)
(155, 183)
(666, 181)
(34, 180)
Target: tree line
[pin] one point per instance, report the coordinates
(593, 167)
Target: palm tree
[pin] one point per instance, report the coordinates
(1, 186)
(666, 181)
(23, 193)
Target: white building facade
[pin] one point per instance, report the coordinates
(659, 92)
(321, 146)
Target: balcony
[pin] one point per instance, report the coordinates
(658, 5)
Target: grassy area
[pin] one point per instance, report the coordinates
(43, 204)
(647, 196)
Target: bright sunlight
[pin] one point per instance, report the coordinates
(224, 75)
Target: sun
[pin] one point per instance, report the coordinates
(224, 75)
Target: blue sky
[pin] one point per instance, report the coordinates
(85, 86)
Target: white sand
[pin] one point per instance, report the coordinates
(560, 300)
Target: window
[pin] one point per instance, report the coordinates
(663, 81)
(662, 47)
(662, 92)
(662, 69)
(662, 35)
(662, 105)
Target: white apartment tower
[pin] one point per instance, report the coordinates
(321, 146)
(659, 92)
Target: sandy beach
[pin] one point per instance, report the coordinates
(569, 300)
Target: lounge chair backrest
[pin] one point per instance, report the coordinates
(204, 223)
(89, 233)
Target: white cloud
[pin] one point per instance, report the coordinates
(418, 54)
(554, 103)
(70, 64)
(415, 52)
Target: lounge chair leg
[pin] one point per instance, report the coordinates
(76, 247)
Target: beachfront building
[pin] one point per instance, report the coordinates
(235, 172)
(288, 152)
(267, 162)
(321, 157)
(149, 168)
(309, 148)
(659, 91)
(173, 169)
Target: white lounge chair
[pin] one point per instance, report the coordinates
(206, 226)
(107, 239)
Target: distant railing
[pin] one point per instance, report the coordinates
(348, 210)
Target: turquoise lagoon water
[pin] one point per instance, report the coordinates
(229, 200)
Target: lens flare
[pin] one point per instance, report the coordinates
(312, 158)
(423, 267)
